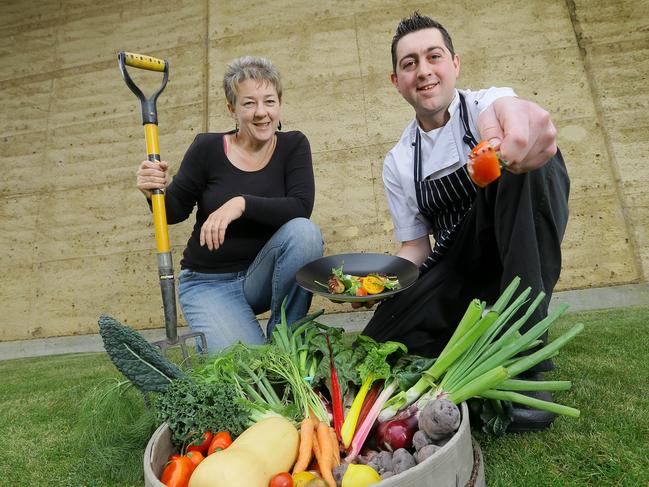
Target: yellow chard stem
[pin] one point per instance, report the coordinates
(349, 425)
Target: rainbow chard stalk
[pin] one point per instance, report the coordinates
(365, 427)
(373, 367)
(336, 397)
(404, 374)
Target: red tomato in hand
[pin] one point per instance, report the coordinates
(282, 479)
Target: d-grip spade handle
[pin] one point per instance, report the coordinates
(140, 61)
(150, 122)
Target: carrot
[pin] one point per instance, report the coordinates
(336, 446)
(307, 431)
(324, 453)
(316, 451)
(484, 165)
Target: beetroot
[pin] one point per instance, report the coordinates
(397, 432)
(439, 419)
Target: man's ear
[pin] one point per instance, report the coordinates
(456, 63)
(394, 80)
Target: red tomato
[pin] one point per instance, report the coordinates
(221, 441)
(177, 472)
(201, 444)
(282, 479)
(361, 292)
(196, 457)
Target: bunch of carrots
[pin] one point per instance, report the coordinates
(319, 439)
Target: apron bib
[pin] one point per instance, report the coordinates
(444, 202)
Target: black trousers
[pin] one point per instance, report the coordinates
(514, 228)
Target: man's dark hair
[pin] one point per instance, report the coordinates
(412, 24)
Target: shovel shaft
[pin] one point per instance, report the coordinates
(157, 196)
(168, 290)
(165, 262)
(160, 222)
(152, 145)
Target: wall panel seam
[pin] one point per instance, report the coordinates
(601, 120)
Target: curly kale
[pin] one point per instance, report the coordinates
(191, 408)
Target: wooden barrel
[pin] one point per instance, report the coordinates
(156, 455)
(458, 463)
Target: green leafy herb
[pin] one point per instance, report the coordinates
(113, 426)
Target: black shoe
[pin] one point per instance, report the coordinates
(526, 419)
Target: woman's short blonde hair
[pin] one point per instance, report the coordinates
(249, 67)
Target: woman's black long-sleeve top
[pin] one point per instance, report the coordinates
(282, 190)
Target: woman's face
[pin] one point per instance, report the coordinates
(257, 109)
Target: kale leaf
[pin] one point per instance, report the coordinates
(137, 359)
(192, 407)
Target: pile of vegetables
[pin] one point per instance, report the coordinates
(311, 409)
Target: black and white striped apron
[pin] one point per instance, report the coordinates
(444, 202)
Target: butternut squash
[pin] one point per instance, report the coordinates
(266, 448)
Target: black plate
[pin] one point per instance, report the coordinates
(358, 265)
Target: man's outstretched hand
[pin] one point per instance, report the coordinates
(521, 131)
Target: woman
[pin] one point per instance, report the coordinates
(254, 189)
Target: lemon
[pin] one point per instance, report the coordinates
(360, 476)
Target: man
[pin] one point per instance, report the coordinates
(484, 237)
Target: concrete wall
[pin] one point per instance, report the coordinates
(75, 235)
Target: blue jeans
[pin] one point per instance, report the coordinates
(224, 306)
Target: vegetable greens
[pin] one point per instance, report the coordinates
(137, 359)
(192, 407)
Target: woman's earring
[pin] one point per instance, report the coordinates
(236, 126)
(279, 125)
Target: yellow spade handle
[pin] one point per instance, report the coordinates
(143, 61)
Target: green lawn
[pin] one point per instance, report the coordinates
(608, 446)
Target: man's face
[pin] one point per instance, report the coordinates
(426, 74)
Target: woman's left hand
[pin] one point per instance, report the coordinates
(213, 230)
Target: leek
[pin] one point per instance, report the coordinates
(481, 360)
(531, 402)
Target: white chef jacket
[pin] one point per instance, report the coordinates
(442, 150)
